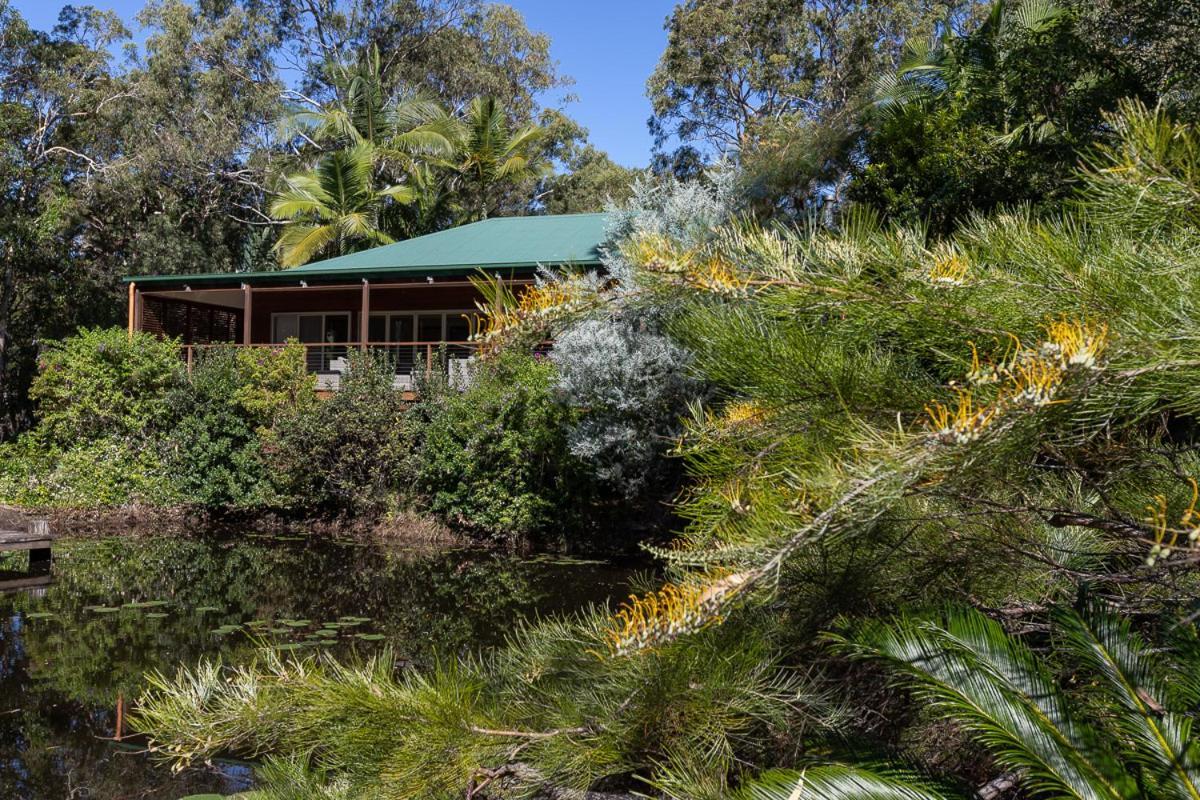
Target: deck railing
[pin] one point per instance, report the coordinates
(330, 358)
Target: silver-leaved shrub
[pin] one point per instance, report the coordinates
(629, 386)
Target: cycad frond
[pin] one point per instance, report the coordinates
(1159, 731)
(973, 672)
(838, 782)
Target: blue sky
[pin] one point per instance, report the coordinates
(609, 48)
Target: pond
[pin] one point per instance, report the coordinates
(74, 651)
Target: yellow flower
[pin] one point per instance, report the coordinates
(674, 610)
(949, 269)
(741, 412)
(1077, 343)
(964, 422)
(718, 276)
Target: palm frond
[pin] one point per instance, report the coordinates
(301, 243)
(1036, 16)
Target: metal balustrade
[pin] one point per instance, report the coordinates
(328, 360)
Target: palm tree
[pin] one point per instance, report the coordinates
(966, 667)
(334, 208)
(400, 127)
(948, 63)
(491, 154)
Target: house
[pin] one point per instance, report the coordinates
(408, 299)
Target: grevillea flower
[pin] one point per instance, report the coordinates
(535, 304)
(657, 253)
(1034, 380)
(1078, 343)
(676, 609)
(964, 422)
(1028, 376)
(1165, 536)
(718, 276)
(948, 269)
(741, 412)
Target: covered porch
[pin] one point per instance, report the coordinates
(409, 300)
(411, 322)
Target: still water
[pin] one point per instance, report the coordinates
(73, 651)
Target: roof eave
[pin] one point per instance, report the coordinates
(290, 276)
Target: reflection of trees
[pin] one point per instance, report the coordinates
(65, 672)
(51, 754)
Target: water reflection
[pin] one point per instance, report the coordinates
(119, 607)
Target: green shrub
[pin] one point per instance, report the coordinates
(103, 473)
(494, 459)
(227, 412)
(214, 449)
(274, 382)
(102, 383)
(344, 454)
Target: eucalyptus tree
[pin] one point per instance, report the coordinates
(732, 69)
(457, 49)
(155, 164)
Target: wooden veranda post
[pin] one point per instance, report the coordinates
(364, 316)
(132, 306)
(247, 302)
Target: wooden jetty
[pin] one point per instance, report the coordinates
(37, 540)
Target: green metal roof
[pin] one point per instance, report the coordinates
(497, 243)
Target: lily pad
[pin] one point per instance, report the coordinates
(296, 623)
(146, 604)
(205, 609)
(326, 632)
(370, 637)
(157, 615)
(39, 615)
(103, 609)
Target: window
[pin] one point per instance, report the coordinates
(414, 331)
(424, 326)
(311, 328)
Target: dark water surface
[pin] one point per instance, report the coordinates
(114, 609)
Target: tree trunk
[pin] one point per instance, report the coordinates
(7, 284)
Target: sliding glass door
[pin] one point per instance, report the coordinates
(325, 333)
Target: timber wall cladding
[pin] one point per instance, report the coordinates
(193, 323)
